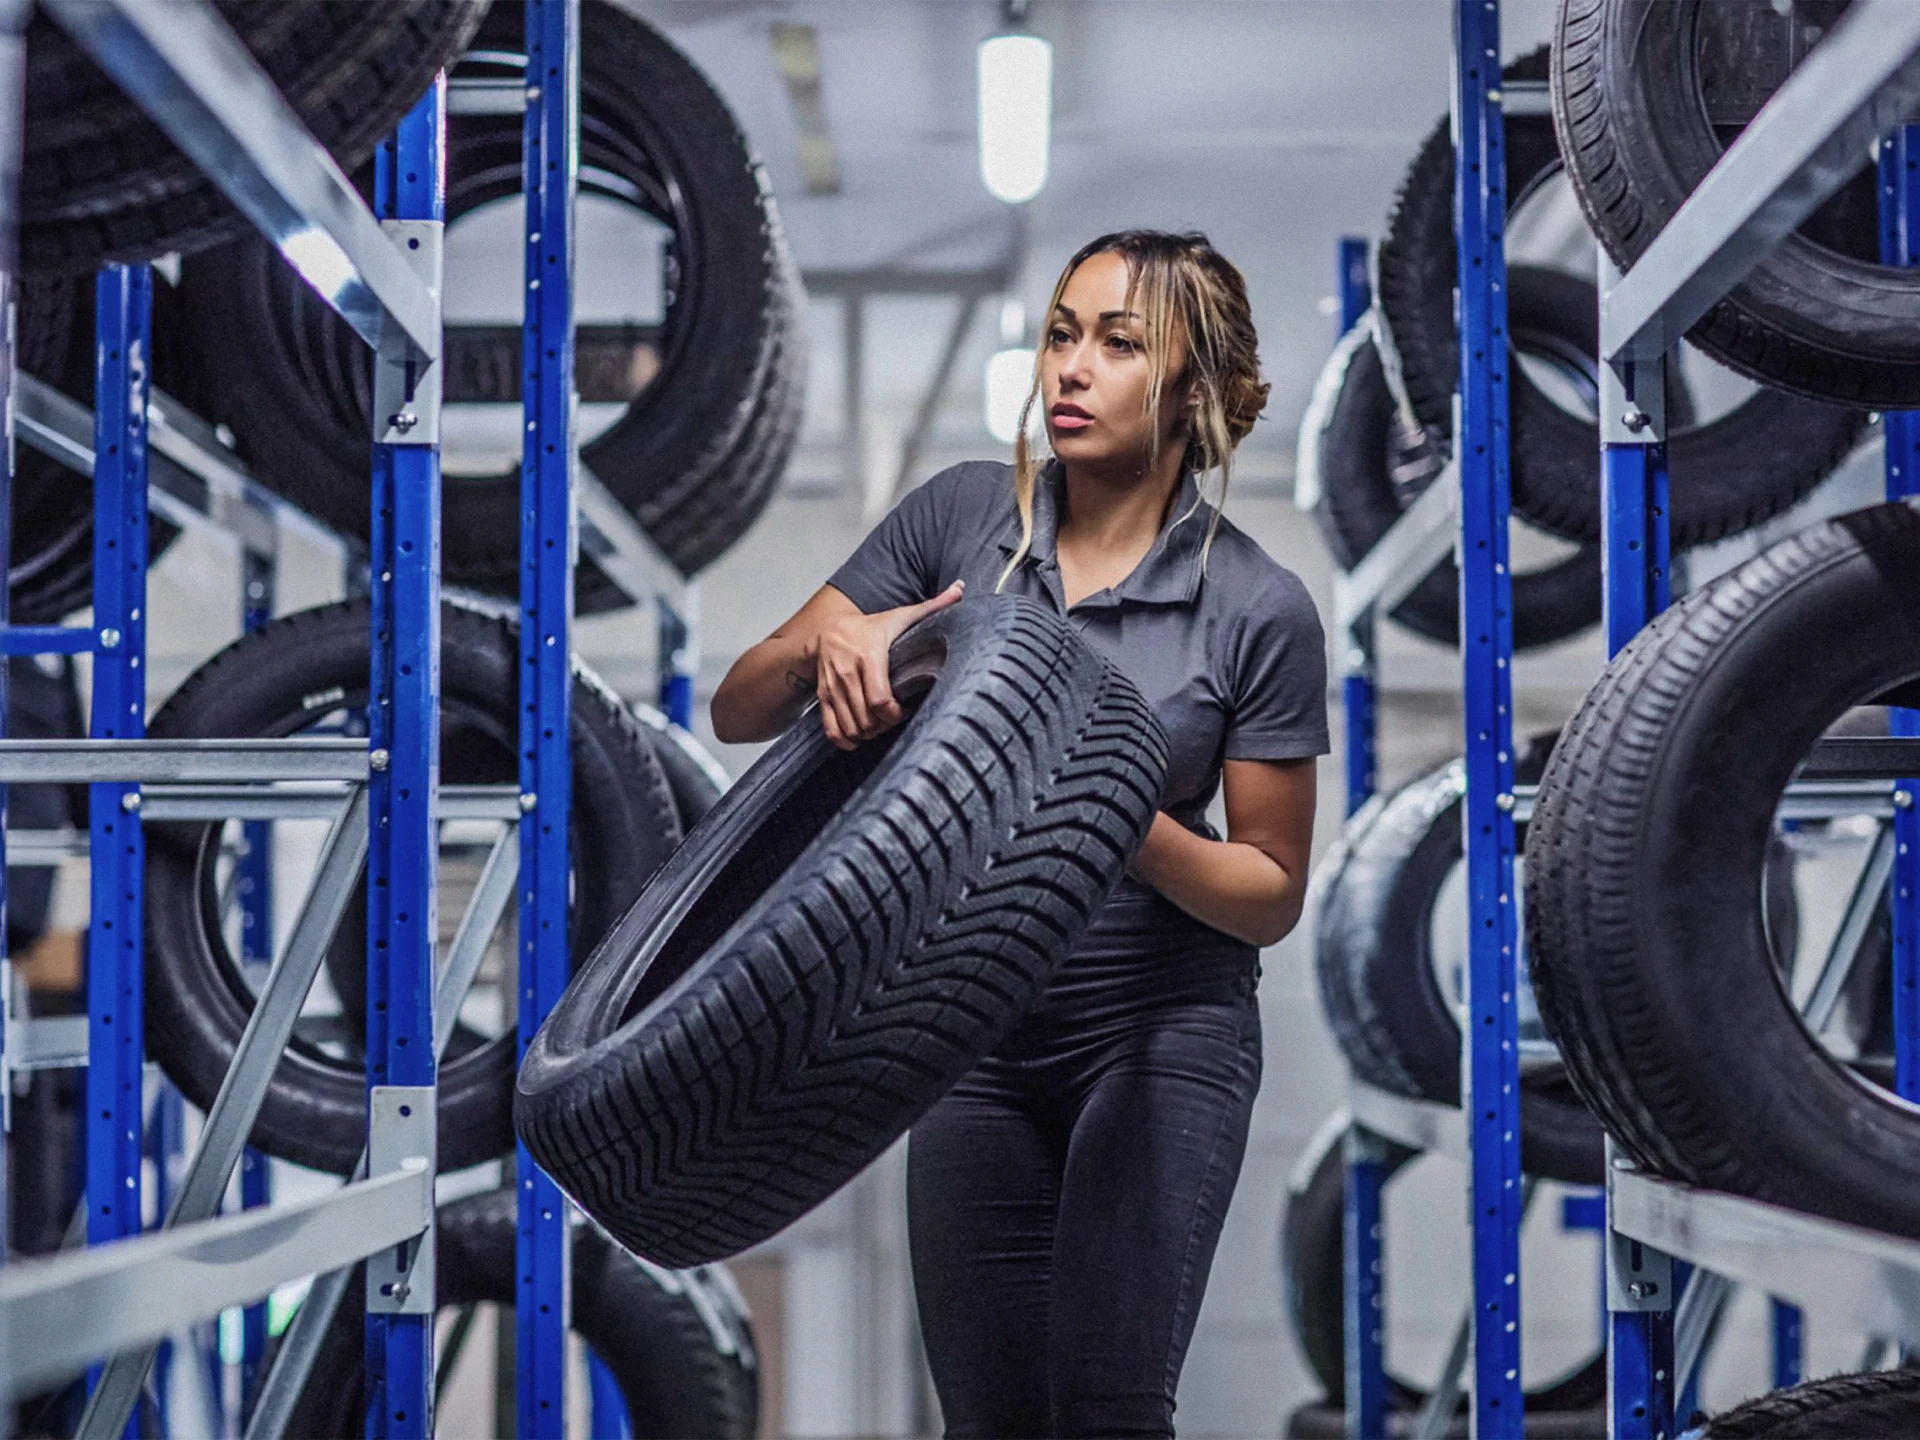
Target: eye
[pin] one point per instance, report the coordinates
(1058, 336)
(1121, 344)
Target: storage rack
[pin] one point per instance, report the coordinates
(1859, 82)
(1863, 78)
(182, 65)
(1473, 490)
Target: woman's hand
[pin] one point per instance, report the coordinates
(771, 684)
(850, 668)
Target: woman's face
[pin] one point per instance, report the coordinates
(1094, 373)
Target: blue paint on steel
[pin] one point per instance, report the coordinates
(1357, 692)
(1633, 538)
(1789, 1345)
(1365, 1281)
(45, 640)
(1900, 245)
(403, 719)
(551, 158)
(1640, 1374)
(1583, 1210)
(256, 949)
(676, 675)
(609, 1412)
(1486, 634)
(123, 299)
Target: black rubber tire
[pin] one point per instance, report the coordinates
(281, 679)
(1879, 1405)
(1373, 955)
(1353, 442)
(43, 703)
(842, 938)
(677, 1381)
(1644, 859)
(696, 779)
(697, 453)
(1728, 474)
(100, 181)
(1313, 1289)
(1819, 315)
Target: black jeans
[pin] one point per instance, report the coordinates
(1064, 1201)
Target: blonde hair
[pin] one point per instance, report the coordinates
(1190, 296)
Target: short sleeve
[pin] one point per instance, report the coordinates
(899, 561)
(1278, 682)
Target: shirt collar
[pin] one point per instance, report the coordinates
(1170, 572)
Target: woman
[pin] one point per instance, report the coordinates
(1064, 1200)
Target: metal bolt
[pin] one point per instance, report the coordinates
(130, 801)
(1636, 420)
(1903, 799)
(1503, 801)
(1643, 1289)
(528, 801)
(109, 639)
(403, 420)
(379, 760)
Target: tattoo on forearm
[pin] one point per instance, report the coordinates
(799, 683)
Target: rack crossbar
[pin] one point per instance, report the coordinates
(189, 72)
(56, 1315)
(1420, 539)
(1861, 1278)
(1855, 85)
(136, 762)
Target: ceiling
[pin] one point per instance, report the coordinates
(1274, 125)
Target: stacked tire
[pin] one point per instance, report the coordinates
(1392, 1013)
(1379, 428)
(311, 670)
(679, 1345)
(702, 442)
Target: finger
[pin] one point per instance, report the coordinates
(882, 712)
(833, 720)
(850, 691)
(909, 614)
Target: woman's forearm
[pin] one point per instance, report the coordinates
(1232, 886)
(765, 691)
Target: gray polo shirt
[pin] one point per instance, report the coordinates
(1230, 654)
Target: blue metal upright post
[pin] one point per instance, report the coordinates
(1635, 557)
(256, 950)
(1900, 245)
(123, 300)
(1364, 1275)
(403, 723)
(1357, 694)
(1486, 637)
(551, 143)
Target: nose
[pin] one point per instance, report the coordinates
(1075, 371)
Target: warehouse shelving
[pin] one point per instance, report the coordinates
(1851, 90)
(382, 275)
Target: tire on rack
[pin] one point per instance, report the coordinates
(1879, 1405)
(295, 673)
(1729, 474)
(1364, 469)
(1373, 955)
(679, 1344)
(1313, 1287)
(842, 938)
(703, 440)
(100, 181)
(1818, 315)
(696, 779)
(1644, 865)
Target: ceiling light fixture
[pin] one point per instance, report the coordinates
(1016, 113)
(1009, 374)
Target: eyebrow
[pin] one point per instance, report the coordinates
(1067, 311)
